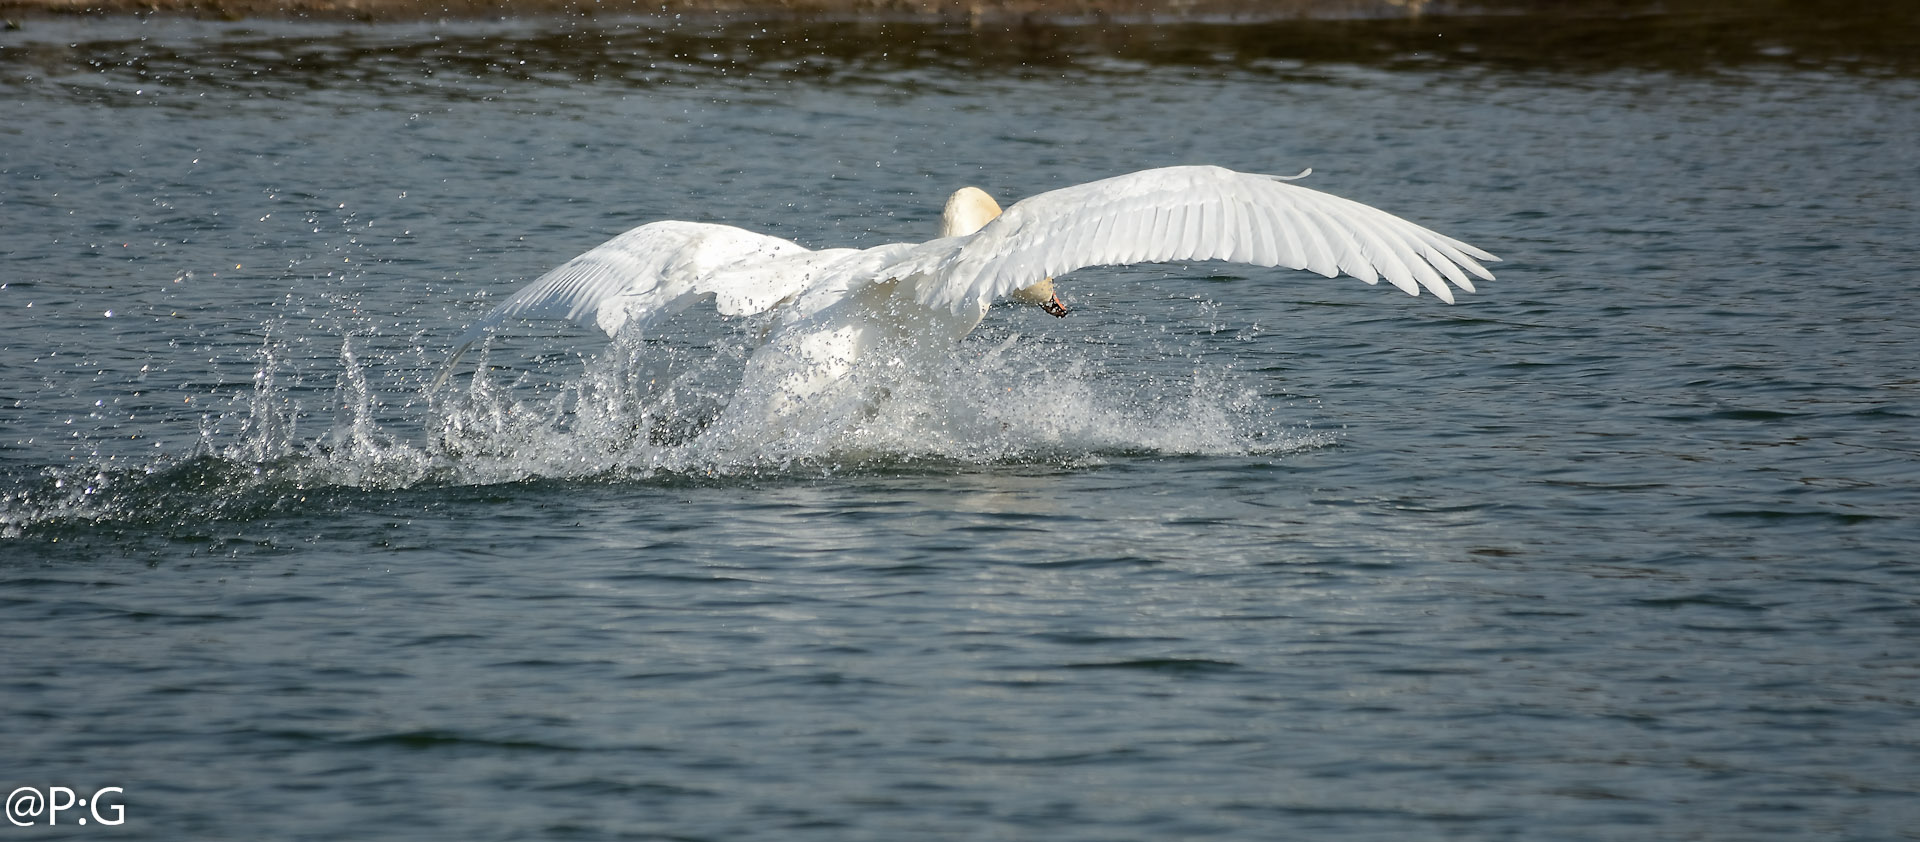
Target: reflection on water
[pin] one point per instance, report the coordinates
(476, 59)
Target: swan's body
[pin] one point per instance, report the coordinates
(834, 308)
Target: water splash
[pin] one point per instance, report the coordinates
(641, 412)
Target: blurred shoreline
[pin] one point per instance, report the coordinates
(1569, 35)
(1685, 36)
(975, 12)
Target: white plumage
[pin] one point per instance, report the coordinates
(834, 306)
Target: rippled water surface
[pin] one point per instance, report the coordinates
(1618, 548)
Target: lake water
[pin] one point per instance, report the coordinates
(1621, 547)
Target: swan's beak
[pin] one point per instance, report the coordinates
(1041, 295)
(1054, 307)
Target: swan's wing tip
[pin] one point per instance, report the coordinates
(446, 368)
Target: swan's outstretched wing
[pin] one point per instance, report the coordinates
(1190, 213)
(649, 268)
(648, 273)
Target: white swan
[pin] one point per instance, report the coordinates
(911, 302)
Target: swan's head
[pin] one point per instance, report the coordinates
(1041, 295)
(968, 210)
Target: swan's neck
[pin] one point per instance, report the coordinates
(968, 210)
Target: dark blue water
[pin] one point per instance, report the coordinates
(1618, 548)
